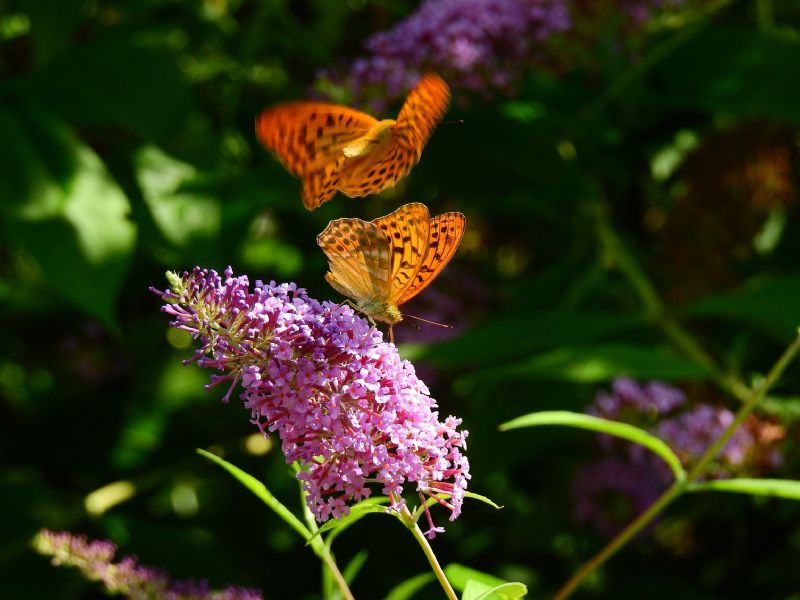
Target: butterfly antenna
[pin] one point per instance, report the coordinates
(453, 122)
(429, 322)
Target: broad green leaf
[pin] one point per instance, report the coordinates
(601, 362)
(260, 490)
(410, 587)
(475, 590)
(615, 428)
(459, 575)
(186, 217)
(769, 302)
(62, 207)
(778, 488)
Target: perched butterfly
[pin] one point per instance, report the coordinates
(383, 263)
(333, 147)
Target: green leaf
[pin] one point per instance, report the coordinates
(770, 303)
(483, 499)
(615, 428)
(459, 575)
(62, 206)
(778, 488)
(475, 590)
(357, 512)
(602, 362)
(185, 216)
(260, 490)
(410, 587)
(354, 566)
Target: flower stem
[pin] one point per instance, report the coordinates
(408, 521)
(657, 312)
(755, 395)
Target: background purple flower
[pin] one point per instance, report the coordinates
(95, 560)
(343, 403)
(478, 45)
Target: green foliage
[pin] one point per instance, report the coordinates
(127, 149)
(614, 428)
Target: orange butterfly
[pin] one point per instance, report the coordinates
(333, 147)
(383, 263)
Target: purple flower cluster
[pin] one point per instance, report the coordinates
(633, 476)
(95, 559)
(475, 44)
(343, 403)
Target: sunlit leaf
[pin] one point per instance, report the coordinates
(260, 490)
(615, 428)
(778, 488)
(475, 590)
(62, 206)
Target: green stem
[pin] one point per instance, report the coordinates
(657, 312)
(324, 553)
(677, 488)
(409, 521)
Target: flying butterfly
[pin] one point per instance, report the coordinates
(335, 148)
(383, 263)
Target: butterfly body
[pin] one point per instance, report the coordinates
(335, 148)
(383, 263)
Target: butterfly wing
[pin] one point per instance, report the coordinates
(445, 233)
(305, 136)
(359, 259)
(407, 229)
(424, 107)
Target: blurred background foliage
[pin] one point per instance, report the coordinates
(127, 148)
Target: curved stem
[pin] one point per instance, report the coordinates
(657, 312)
(408, 521)
(754, 397)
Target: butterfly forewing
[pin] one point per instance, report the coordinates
(306, 136)
(425, 106)
(359, 258)
(407, 229)
(445, 233)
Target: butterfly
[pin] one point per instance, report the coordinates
(335, 148)
(383, 263)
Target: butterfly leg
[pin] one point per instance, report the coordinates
(391, 334)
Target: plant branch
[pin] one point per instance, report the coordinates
(409, 521)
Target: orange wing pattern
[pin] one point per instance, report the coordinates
(392, 160)
(445, 235)
(309, 139)
(407, 229)
(306, 136)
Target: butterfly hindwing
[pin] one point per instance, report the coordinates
(359, 259)
(445, 233)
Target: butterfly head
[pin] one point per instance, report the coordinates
(385, 312)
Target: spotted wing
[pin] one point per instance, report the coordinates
(445, 235)
(392, 160)
(305, 136)
(407, 230)
(359, 259)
